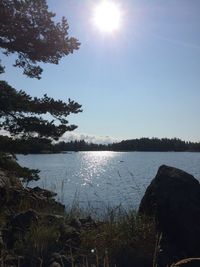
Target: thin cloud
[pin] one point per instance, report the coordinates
(67, 137)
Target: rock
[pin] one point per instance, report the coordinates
(68, 235)
(43, 192)
(173, 198)
(17, 227)
(42, 199)
(52, 219)
(24, 219)
(17, 199)
(191, 262)
(130, 258)
(14, 197)
(76, 223)
(7, 181)
(166, 251)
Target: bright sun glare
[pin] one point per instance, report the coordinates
(107, 16)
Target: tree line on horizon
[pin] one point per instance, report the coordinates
(139, 144)
(36, 145)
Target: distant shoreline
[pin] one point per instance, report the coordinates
(42, 146)
(123, 151)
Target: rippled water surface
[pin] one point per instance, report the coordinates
(105, 178)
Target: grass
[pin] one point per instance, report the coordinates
(121, 237)
(119, 234)
(118, 238)
(39, 243)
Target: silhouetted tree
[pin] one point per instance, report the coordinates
(27, 29)
(20, 114)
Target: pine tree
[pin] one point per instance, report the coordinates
(27, 29)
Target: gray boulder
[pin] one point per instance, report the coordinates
(173, 198)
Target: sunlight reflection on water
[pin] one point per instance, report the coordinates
(93, 164)
(105, 178)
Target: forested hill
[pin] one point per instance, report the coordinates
(156, 144)
(142, 144)
(36, 145)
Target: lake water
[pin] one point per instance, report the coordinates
(103, 179)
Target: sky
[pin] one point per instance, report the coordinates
(142, 80)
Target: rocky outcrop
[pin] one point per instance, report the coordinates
(173, 198)
(42, 192)
(34, 230)
(7, 181)
(14, 197)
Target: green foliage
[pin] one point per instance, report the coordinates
(142, 144)
(8, 162)
(28, 30)
(151, 144)
(23, 146)
(79, 145)
(21, 114)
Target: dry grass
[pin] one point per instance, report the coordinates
(123, 234)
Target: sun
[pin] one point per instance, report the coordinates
(107, 16)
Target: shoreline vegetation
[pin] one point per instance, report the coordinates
(37, 231)
(36, 145)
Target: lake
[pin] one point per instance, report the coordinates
(104, 178)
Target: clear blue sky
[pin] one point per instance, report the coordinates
(144, 80)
